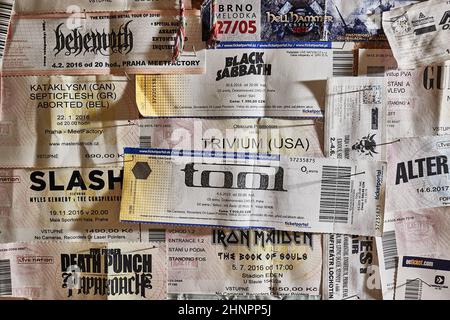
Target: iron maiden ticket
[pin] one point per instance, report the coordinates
(50, 6)
(65, 205)
(253, 190)
(355, 118)
(418, 34)
(420, 278)
(83, 271)
(410, 93)
(243, 262)
(102, 43)
(418, 171)
(275, 136)
(64, 121)
(246, 83)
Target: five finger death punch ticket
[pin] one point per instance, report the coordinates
(224, 149)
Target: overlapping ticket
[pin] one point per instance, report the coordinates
(253, 190)
(83, 271)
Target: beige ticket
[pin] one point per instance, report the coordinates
(66, 205)
(64, 121)
(49, 6)
(235, 189)
(102, 43)
(242, 262)
(83, 271)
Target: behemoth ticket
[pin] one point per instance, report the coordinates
(253, 190)
(65, 205)
(275, 136)
(418, 33)
(243, 262)
(418, 170)
(102, 43)
(83, 271)
(246, 83)
(49, 6)
(63, 121)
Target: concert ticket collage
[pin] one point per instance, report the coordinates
(224, 150)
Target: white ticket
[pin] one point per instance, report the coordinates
(102, 43)
(83, 271)
(355, 118)
(418, 100)
(253, 190)
(246, 83)
(242, 262)
(420, 278)
(66, 205)
(50, 6)
(418, 171)
(418, 34)
(350, 270)
(64, 121)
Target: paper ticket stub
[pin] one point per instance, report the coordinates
(102, 43)
(409, 93)
(350, 269)
(247, 83)
(418, 33)
(253, 190)
(357, 20)
(275, 136)
(243, 262)
(49, 6)
(422, 278)
(63, 121)
(355, 118)
(418, 171)
(66, 205)
(83, 271)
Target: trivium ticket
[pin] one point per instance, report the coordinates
(243, 262)
(102, 43)
(50, 6)
(235, 189)
(65, 205)
(83, 271)
(246, 83)
(419, 33)
(420, 278)
(418, 170)
(63, 121)
(355, 118)
(275, 136)
(418, 100)
(350, 269)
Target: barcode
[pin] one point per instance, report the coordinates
(413, 290)
(335, 194)
(145, 142)
(375, 71)
(389, 250)
(157, 235)
(5, 278)
(5, 17)
(343, 63)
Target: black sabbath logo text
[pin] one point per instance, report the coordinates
(75, 43)
(106, 272)
(249, 64)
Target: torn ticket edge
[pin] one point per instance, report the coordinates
(77, 44)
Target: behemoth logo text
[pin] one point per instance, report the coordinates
(244, 177)
(75, 43)
(260, 238)
(420, 168)
(106, 272)
(249, 64)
